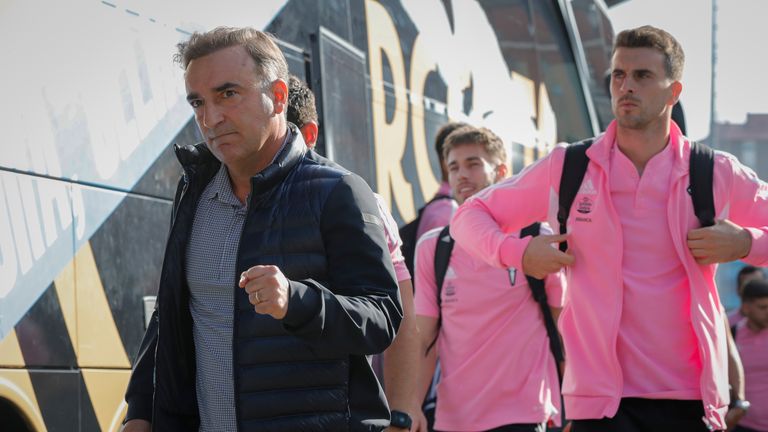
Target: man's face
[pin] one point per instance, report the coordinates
(231, 109)
(756, 312)
(641, 92)
(470, 169)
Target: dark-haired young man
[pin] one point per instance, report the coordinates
(747, 274)
(752, 341)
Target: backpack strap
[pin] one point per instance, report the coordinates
(574, 168)
(540, 296)
(408, 234)
(702, 167)
(443, 251)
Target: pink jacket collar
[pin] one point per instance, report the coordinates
(600, 150)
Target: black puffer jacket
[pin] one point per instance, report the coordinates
(308, 372)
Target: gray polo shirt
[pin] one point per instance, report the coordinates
(210, 272)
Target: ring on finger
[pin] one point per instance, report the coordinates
(256, 294)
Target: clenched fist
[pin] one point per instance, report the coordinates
(267, 290)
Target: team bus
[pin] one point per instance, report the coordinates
(94, 103)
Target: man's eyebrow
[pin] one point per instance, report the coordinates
(225, 86)
(469, 159)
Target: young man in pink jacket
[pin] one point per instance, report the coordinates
(497, 369)
(641, 324)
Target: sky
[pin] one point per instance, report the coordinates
(741, 58)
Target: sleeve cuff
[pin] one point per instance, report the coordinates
(139, 408)
(304, 303)
(758, 253)
(512, 250)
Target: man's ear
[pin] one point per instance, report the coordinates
(677, 89)
(501, 171)
(309, 132)
(279, 96)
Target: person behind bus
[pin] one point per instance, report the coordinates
(752, 342)
(438, 211)
(746, 274)
(736, 382)
(497, 369)
(402, 357)
(642, 322)
(276, 282)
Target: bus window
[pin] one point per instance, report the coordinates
(557, 71)
(512, 21)
(596, 34)
(343, 106)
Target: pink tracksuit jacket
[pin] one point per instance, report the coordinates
(589, 322)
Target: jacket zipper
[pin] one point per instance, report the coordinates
(235, 383)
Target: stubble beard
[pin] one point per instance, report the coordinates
(632, 122)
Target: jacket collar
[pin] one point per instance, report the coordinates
(198, 161)
(289, 155)
(600, 150)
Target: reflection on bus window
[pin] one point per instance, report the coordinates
(596, 34)
(558, 72)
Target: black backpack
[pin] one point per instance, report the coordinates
(443, 251)
(702, 166)
(408, 234)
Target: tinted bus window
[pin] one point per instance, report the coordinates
(596, 34)
(557, 70)
(344, 106)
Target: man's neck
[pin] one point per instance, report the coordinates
(240, 174)
(754, 326)
(640, 145)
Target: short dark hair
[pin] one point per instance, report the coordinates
(658, 39)
(747, 269)
(754, 290)
(270, 61)
(442, 134)
(301, 102)
(471, 135)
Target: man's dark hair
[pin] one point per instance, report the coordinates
(442, 134)
(301, 102)
(755, 290)
(270, 62)
(746, 270)
(663, 42)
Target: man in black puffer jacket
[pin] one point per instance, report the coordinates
(276, 282)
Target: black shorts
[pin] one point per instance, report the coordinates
(520, 428)
(649, 415)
